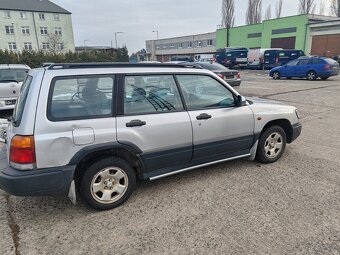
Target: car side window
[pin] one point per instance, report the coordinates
(204, 92)
(83, 97)
(151, 94)
(304, 62)
(293, 62)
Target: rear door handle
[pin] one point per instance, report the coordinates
(135, 123)
(203, 116)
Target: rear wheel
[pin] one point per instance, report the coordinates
(311, 76)
(324, 78)
(276, 75)
(107, 183)
(271, 145)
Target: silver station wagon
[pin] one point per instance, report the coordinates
(91, 130)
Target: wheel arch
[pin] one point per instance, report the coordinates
(284, 124)
(85, 157)
(312, 70)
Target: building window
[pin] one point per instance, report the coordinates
(9, 30)
(57, 31)
(28, 46)
(60, 46)
(189, 44)
(210, 42)
(45, 46)
(172, 45)
(284, 30)
(164, 46)
(42, 16)
(7, 14)
(23, 15)
(56, 17)
(254, 35)
(199, 44)
(158, 47)
(12, 46)
(43, 31)
(180, 45)
(25, 30)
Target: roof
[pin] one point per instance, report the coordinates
(32, 5)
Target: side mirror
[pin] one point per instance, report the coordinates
(241, 101)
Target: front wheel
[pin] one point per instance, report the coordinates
(272, 144)
(276, 75)
(311, 76)
(107, 183)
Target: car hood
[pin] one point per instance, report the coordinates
(260, 105)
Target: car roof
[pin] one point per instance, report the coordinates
(14, 66)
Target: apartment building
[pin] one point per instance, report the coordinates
(35, 25)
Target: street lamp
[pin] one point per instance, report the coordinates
(116, 33)
(15, 41)
(85, 44)
(155, 31)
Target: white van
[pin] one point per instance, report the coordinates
(11, 79)
(256, 57)
(203, 57)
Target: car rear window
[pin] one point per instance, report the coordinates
(21, 101)
(82, 97)
(330, 61)
(213, 66)
(17, 75)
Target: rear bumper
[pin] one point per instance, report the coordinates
(234, 82)
(297, 128)
(40, 182)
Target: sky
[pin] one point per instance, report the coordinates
(97, 20)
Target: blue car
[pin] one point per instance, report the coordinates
(308, 67)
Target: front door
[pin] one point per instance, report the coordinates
(155, 121)
(289, 70)
(220, 128)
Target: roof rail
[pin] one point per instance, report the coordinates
(118, 65)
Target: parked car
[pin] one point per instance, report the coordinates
(95, 128)
(11, 79)
(273, 58)
(256, 57)
(232, 57)
(203, 57)
(232, 77)
(309, 67)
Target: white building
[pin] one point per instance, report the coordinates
(165, 49)
(35, 25)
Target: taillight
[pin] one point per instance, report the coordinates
(238, 75)
(326, 67)
(22, 150)
(277, 60)
(221, 76)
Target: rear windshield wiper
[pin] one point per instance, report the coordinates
(8, 81)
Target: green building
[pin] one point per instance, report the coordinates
(287, 32)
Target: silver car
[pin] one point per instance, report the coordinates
(11, 78)
(93, 129)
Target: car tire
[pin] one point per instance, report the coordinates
(107, 183)
(324, 78)
(311, 76)
(271, 145)
(276, 75)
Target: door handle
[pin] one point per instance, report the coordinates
(203, 116)
(135, 123)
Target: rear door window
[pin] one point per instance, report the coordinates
(82, 97)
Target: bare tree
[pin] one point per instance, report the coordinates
(306, 6)
(228, 16)
(335, 8)
(278, 9)
(254, 12)
(322, 8)
(268, 13)
(55, 42)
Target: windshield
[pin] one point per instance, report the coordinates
(212, 66)
(17, 75)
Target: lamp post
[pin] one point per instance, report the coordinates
(156, 31)
(116, 33)
(15, 41)
(85, 47)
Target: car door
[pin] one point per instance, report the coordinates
(154, 120)
(289, 70)
(220, 128)
(302, 67)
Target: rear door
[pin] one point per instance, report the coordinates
(220, 128)
(154, 120)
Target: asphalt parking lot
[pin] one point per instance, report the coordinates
(239, 207)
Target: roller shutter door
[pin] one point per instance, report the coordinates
(284, 43)
(326, 45)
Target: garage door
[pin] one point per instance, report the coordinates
(284, 43)
(326, 45)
